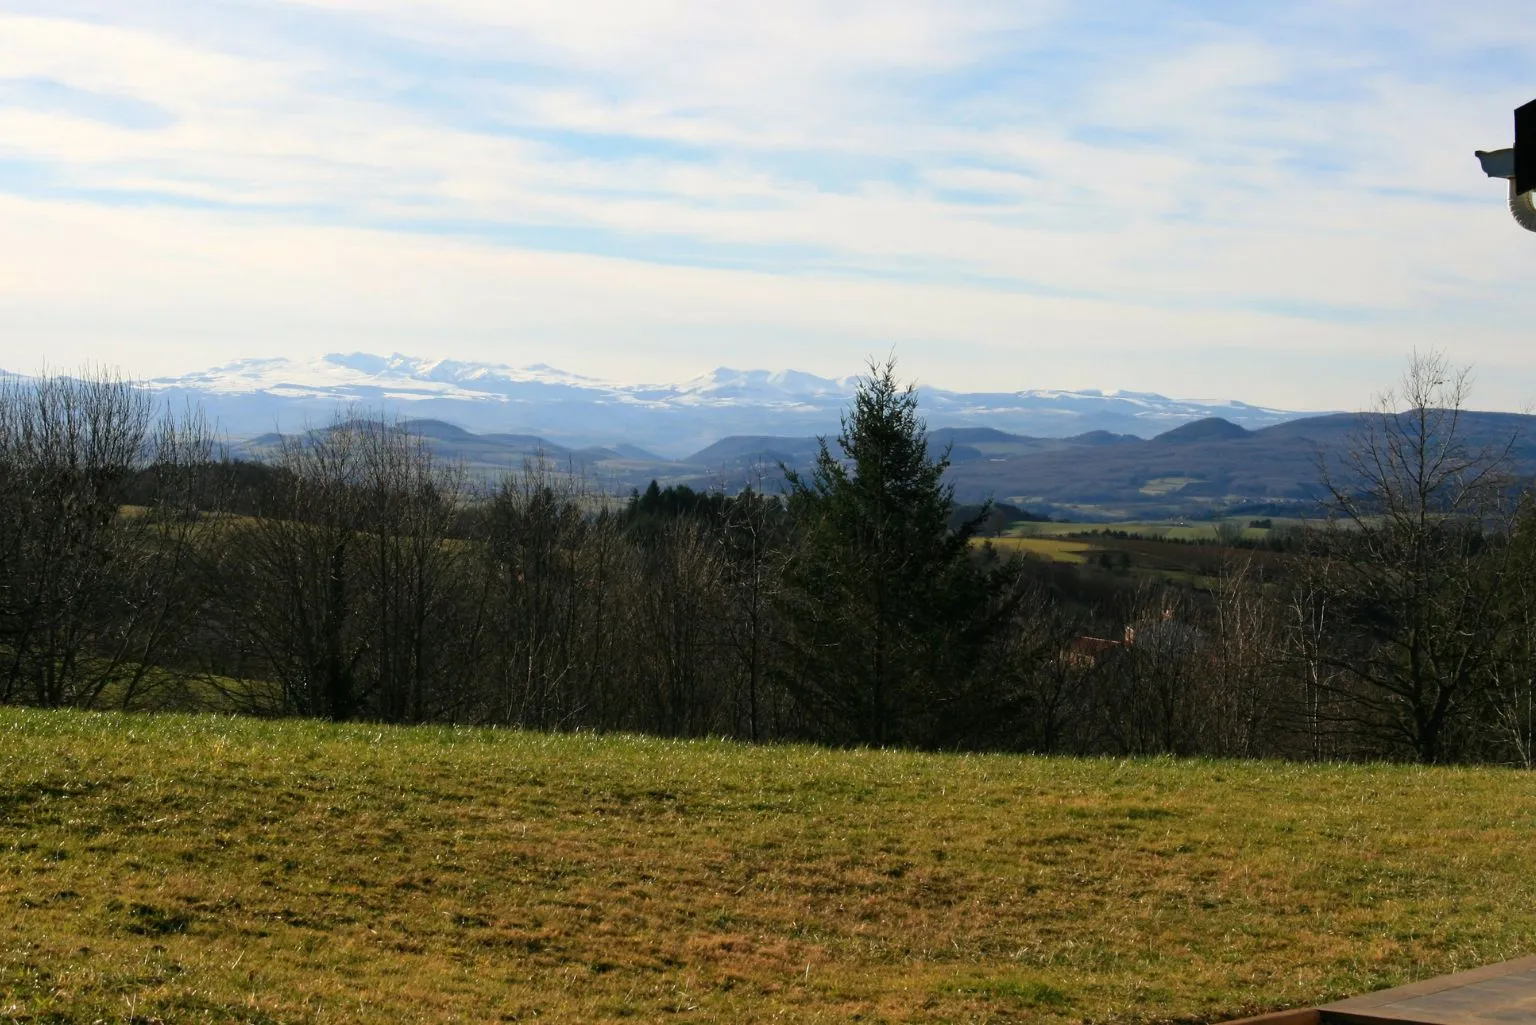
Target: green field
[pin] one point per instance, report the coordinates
(203, 869)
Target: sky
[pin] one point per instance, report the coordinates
(1269, 202)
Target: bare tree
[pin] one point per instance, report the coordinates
(408, 569)
(1318, 710)
(753, 538)
(1056, 686)
(1149, 694)
(1242, 699)
(536, 535)
(90, 590)
(1414, 504)
(682, 638)
(289, 575)
(346, 588)
(1510, 697)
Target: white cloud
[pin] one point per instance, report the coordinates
(833, 40)
(171, 290)
(907, 170)
(113, 59)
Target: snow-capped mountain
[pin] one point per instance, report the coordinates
(254, 396)
(763, 386)
(342, 375)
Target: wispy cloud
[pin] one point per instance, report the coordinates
(1038, 194)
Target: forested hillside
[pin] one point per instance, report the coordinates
(352, 573)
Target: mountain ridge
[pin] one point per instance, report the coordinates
(1073, 456)
(258, 395)
(1194, 470)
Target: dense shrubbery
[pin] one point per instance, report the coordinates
(352, 576)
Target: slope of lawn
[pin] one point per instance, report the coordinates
(191, 869)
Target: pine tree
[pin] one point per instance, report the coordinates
(891, 616)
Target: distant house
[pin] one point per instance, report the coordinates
(1084, 652)
(1165, 636)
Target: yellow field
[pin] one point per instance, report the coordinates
(1166, 485)
(1173, 530)
(1048, 549)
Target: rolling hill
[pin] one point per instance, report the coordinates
(1198, 468)
(1205, 466)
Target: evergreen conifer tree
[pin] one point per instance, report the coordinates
(891, 615)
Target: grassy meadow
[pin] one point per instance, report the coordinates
(207, 869)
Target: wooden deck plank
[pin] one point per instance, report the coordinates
(1499, 994)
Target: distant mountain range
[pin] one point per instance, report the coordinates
(1199, 468)
(255, 396)
(1075, 454)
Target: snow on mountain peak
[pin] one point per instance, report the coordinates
(775, 385)
(545, 400)
(406, 376)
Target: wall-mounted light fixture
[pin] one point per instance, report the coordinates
(1519, 166)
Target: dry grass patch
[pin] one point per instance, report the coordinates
(217, 870)
(1048, 549)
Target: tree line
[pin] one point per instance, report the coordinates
(353, 574)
